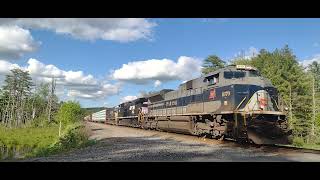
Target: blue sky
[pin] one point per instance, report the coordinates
(166, 39)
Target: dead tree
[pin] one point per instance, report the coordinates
(51, 97)
(313, 107)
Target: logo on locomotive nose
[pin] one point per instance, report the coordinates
(212, 94)
(226, 93)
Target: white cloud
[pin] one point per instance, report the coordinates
(127, 98)
(6, 66)
(157, 83)
(306, 62)
(116, 29)
(153, 70)
(77, 77)
(35, 67)
(76, 83)
(15, 41)
(247, 54)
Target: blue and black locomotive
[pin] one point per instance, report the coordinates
(234, 102)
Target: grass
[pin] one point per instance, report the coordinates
(75, 136)
(301, 143)
(311, 146)
(41, 141)
(31, 137)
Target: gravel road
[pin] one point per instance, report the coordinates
(130, 144)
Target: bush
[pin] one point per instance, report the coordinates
(298, 141)
(70, 112)
(75, 136)
(41, 121)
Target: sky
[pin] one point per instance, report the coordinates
(103, 62)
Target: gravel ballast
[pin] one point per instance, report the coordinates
(116, 143)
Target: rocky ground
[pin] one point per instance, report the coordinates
(130, 144)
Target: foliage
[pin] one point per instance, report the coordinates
(15, 109)
(88, 111)
(25, 140)
(33, 137)
(70, 112)
(26, 113)
(293, 83)
(314, 68)
(75, 136)
(298, 141)
(42, 141)
(212, 63)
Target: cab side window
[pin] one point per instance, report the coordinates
(212, 80)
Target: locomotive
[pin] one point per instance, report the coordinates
(234, 102)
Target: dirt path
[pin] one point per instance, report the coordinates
(131, 144)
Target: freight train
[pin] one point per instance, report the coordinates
(234, 102)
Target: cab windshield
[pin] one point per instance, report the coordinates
(234, 74)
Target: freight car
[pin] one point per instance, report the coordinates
(234, 102)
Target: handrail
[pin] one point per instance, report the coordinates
(240, 103)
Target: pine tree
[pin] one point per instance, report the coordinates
(293, 83)
(17, 92)
(212, 63)
(314, 70)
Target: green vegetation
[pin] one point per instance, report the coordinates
(88, 111)
(212, 63)
(75, 136)
(69, 112)
(34, 123)
(299, 88)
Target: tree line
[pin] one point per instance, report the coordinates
(23, 103)
(298, 86)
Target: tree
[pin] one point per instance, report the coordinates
(212, 63)
(40, 100)
(51, 99)
(70, 112)
(17, 92)
(293, 83)
(2, 102)
(314, 70)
